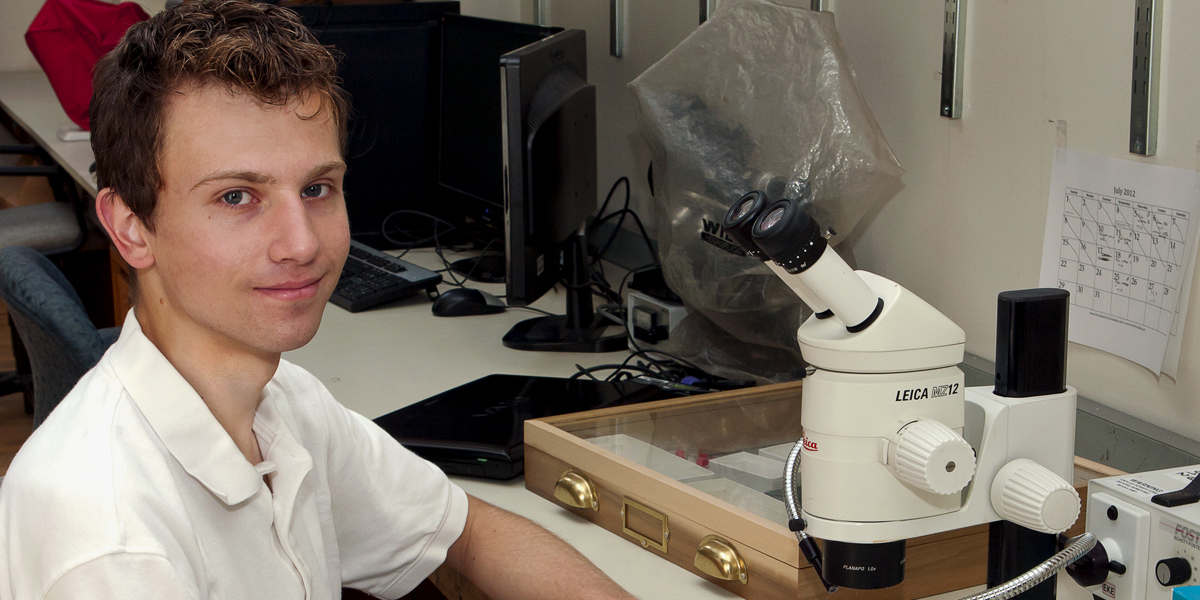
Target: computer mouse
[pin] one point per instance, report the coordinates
(463, 302)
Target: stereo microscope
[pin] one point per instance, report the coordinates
(894, 445)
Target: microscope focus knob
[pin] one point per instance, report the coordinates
(1173, 571)
(1032, 496)
(932, 457)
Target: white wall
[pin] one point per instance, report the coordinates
(970, 220)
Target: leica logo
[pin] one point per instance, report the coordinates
(810, 445)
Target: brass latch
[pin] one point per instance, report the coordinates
(718, 558)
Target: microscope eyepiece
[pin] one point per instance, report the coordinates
(739, 220)
(789, 236)
(772, 219)
(747, 205)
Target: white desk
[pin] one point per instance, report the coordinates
(28, 98)
(380, 360)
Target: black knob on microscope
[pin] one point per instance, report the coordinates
(1173, 571)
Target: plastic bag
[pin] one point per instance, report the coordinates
(67, 37)
(761, 96)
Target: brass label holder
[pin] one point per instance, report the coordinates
(645, 515)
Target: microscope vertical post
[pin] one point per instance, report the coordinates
(1031, 358)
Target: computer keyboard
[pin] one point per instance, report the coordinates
(371, 278)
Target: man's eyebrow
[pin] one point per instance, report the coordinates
(261, 178)
(320, 170)
(248, 176)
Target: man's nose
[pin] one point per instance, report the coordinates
(293, 236)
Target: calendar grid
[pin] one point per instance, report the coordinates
(1123, 258)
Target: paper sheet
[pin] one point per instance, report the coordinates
(1121, 237)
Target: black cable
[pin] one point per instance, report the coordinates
(481, 253)
(450, 276)
(613, 189)
(601, 279)
(673, 368)
(601, 218)
(646, 354)
(437, 232)
(611, 367)
(437, 249)
(637, 220)
(414, 242)
(583, 371)
(536, 310)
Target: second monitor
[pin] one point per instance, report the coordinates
(549, 135)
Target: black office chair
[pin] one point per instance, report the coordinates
(50, 228)
(62, 342)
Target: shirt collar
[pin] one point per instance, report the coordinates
(180, 417)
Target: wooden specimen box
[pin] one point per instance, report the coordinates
(697, 481)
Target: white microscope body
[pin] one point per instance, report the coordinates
(894, 445)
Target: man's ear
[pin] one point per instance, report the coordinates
(124, 228)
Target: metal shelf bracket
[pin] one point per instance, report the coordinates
(954, 43)
(1147, 50)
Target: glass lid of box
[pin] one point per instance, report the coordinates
(732, 448)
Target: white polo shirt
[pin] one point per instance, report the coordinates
(131, 489)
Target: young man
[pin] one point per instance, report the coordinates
(192, 462)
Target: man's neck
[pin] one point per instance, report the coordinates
(228, 376)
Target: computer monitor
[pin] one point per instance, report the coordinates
(391, 68)
(470, 174)
(549, 137)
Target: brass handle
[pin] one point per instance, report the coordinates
(718, 558)
(574, 489)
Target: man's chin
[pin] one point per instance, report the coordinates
(292, 334)
(296, 339)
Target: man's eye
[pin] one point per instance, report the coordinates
(235, 197)
(315, 190)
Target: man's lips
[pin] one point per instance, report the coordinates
(298, 289)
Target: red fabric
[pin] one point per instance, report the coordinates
(67, 38)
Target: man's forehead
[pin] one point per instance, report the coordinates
(211, 132)
(307, 105)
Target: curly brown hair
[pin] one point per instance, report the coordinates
(258, 49)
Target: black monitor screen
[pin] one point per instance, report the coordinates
(470, 152)
(390, 67)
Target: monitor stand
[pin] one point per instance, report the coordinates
(581, 329)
